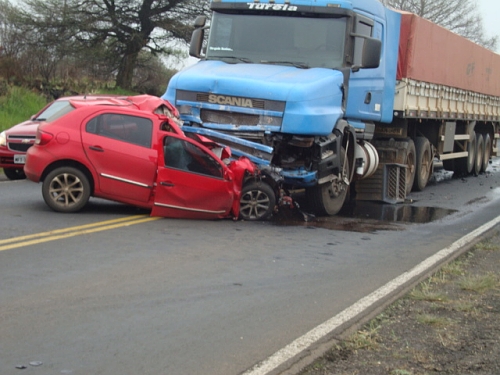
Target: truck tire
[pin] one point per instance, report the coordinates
(14, 173)
(478, 162)
(411, 161)
(66, 189)
(424, 163)
(257, 201)
(465, 166)
(329, 198)
(487, 152)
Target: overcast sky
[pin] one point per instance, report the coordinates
(490, 11)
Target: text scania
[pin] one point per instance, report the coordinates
(230, 100)
(278, 7)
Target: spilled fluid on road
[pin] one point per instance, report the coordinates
(362, 216)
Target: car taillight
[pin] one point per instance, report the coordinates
(42, 138)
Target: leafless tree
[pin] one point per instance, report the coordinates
(115, 30)
(459, 16)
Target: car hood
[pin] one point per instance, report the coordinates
(28, 127)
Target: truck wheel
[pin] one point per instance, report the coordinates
(66, 189)
(424, 163)
(487, 152)
(328, 199)
(478, 162)
(465, 166)
(257, 201)
(14, 173)
(411, 157)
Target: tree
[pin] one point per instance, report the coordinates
(118, 30)
(459, 16)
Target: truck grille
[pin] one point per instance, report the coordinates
(233, 118)
(234, 101)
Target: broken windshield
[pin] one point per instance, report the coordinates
(268, 39)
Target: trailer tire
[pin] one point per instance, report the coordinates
(465, 166)
(478, 162)
(411, 161)
(487, 152)
(423, 168)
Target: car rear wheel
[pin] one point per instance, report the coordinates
(66, 189)
(257, 201)
(14, 173)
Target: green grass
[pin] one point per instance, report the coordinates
(479, 283)
(19, 105)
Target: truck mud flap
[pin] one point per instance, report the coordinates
(387, 184)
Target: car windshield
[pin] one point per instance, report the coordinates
(54, 111)
(304, 42)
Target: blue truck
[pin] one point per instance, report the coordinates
(338, 97)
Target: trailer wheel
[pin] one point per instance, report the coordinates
(465, 166)
(328, 198)
(411, 161)
(424, 163)
(487, 152)
(478, 162)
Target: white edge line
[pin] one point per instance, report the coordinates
(322, 330)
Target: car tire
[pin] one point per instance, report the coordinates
(257, 201)
(66, 189)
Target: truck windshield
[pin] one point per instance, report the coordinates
(305, 42)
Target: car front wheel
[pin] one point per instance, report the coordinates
(257, 201)
(66, 189)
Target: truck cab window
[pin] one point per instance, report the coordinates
(362, 28)
(297, 40)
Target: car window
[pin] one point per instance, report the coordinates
(184, 155)
(54, 111)
(130, 129)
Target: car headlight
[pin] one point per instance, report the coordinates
(3, 139)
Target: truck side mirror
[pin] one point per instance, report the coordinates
(372, 51)
(197, 37)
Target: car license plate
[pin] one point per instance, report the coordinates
(19, 159)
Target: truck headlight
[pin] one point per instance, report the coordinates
(3, 139)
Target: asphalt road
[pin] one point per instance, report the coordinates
(112, 291)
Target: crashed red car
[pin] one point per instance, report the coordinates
(132, 150)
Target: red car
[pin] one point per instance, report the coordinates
(132, 150)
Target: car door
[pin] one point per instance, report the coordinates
(192, 182)
(119, 148)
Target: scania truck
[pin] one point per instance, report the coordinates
(341, 98)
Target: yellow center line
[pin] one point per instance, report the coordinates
(58, 234)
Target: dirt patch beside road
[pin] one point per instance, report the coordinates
(448, 324)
